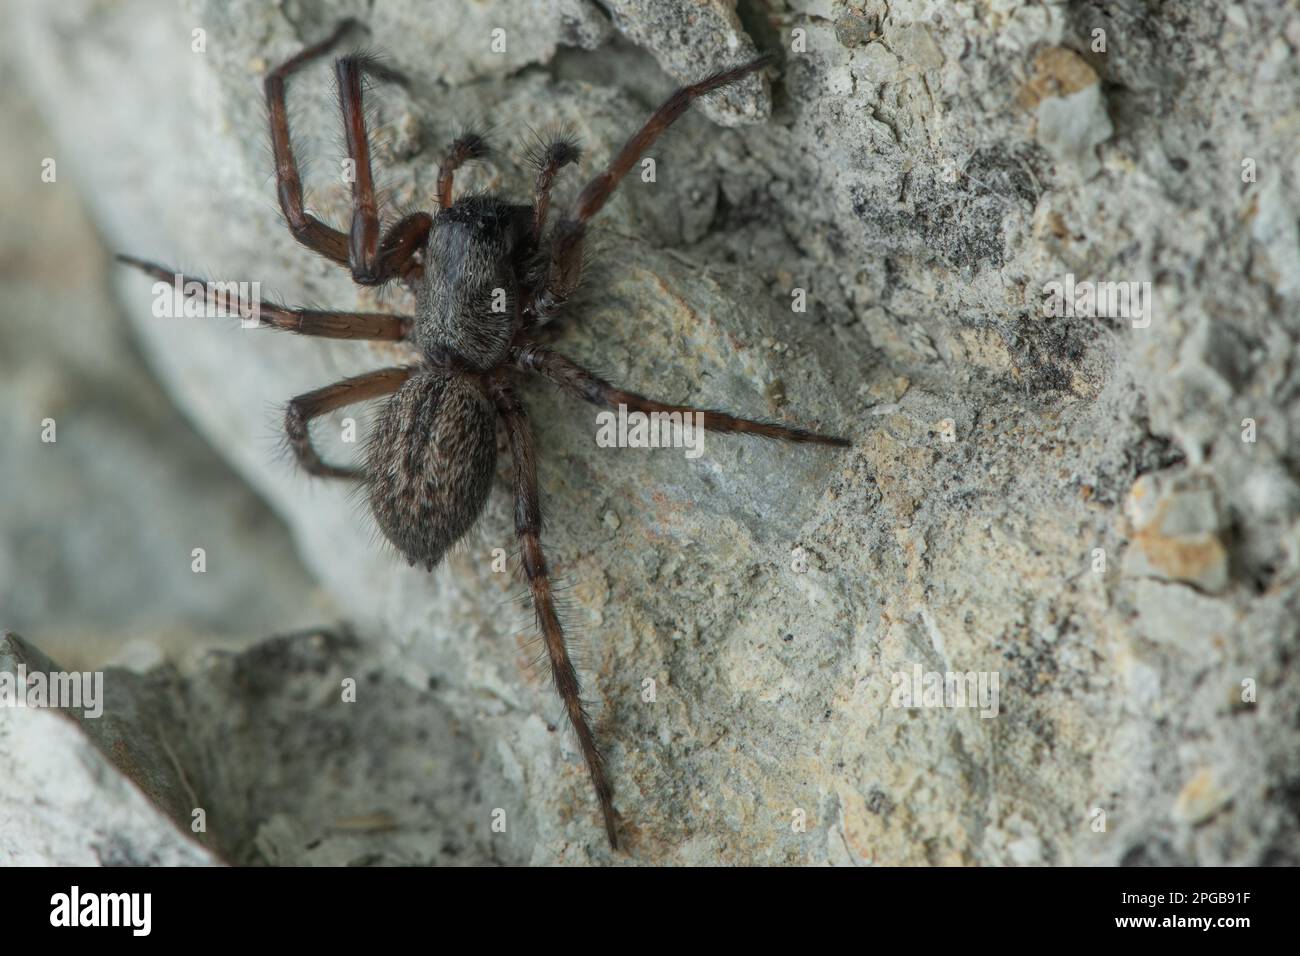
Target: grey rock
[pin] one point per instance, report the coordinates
(72, 794)
(1176, 532)
(105, 490)
(473, 41)
(691, 39)
(255, 757)
(855, 29)
(1071, 119)
(1071, 127)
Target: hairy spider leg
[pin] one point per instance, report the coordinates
(528, 528)
(577, 381)
(564, 269)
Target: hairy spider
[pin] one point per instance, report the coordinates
(431, 458)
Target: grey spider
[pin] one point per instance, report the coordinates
(432, 455)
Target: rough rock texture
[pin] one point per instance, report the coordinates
(689, 39)
(1101, 509)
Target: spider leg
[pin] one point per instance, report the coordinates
(372, 262)
(549, 156)
(397, 252)
(226, 297)
(306, 228)
(465, 147)
(579, 382)
(596, 192)
(565, 267)
(528, 522)
(304, 408)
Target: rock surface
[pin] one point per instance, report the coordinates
(1099, 506)
(105, 490)
(77, 792)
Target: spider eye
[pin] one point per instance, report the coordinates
(480, 219)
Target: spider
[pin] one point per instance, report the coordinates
(431, 458)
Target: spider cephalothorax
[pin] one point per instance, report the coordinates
(485, 273)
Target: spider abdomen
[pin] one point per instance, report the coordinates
(429, 463)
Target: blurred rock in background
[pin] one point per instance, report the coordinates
(99, 525)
